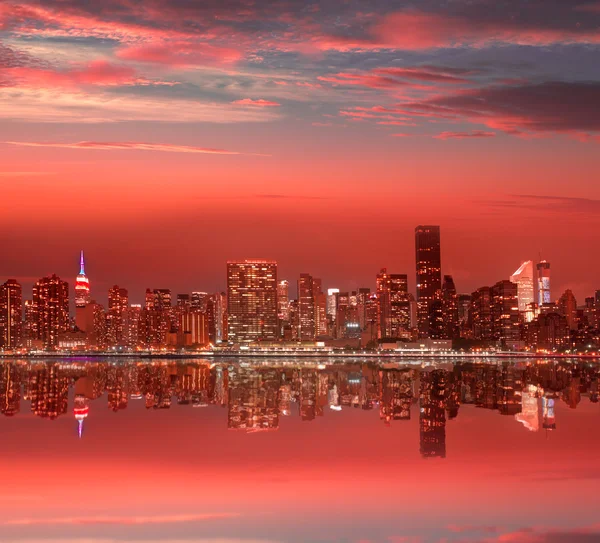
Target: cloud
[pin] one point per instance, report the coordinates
(464, 135)
(71, 106)
(96, 73)
(459, 529)
(550, 107)
(549, 204)
(255, 103)
(180, 53)
(531, 535)
(131, 520)
(414, 30)
(129, 146)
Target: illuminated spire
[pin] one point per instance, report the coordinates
(81, 264)
(80, 428)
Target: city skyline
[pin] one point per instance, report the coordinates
(339, 256)
(104, 283)
(257, 309)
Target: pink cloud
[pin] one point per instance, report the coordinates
(551, 107)
(256, 103)
(129, 146)
(415, 30)
(464, 135)
(96, 73)
(180, 54)
(422, 75)
(132, 520)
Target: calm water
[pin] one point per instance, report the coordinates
(293, 451)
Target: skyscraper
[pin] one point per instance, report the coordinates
(306, 308)
(567, 306)
(543, 283)
(252, 300)
(118, 302)
(523, 277)
(51, 307)
(82, 285)
(283, 300)
(332, 302)
(429, 272)
(505, 312)
(82, 293)
(449, 299)
(11, 314)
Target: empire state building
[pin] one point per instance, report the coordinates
(82, 294)
(82, 285)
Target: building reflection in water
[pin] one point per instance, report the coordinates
(258, 397)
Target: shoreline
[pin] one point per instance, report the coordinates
(329, 355)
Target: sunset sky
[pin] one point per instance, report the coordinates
(180, 475)
(167, 136)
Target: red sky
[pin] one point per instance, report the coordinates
(167, 137)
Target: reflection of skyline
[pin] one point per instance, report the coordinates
(257, 398)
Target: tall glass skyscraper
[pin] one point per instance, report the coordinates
(523, 277)
(252, 300)
(543, 283)
(429, 272)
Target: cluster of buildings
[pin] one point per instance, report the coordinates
(259, 398)
(516, 313)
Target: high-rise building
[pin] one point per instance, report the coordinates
(131, 325)
(283, 300)
(429, 272)
(567, 306)
(82, 293)
(252, 300)
(523, 278)
(450, 310)
(306, 308)
(393, 303)
(51, 307)
(505, 313)
(11, 315)
(331, 302)
(312, 308)
(480, 316)
(543, 283)
(118, 302)
(82, 285)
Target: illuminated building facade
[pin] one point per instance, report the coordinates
(306, 308)
(429, 272)
(394, 304)
(505, 313)
(331, 302)
(450, 310)
(283, 300)
(118, 302)
(51, 309)
(543, 283)
(11, 315)
(523, 278)
(82, 285)
(480, 316)
(252, 300)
